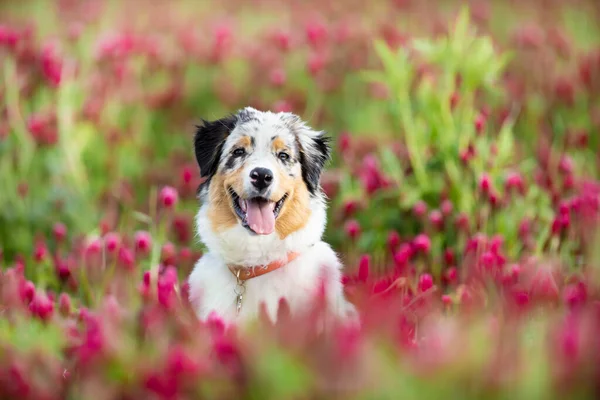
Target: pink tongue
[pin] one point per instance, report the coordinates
(260, 217)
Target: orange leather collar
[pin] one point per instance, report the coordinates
(245, 273)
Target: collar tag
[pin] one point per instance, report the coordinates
(240, 289)
(242, 274)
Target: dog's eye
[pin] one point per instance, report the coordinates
(239, 152)
(283, 156)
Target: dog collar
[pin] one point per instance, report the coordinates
(246, 273)
(243, 274)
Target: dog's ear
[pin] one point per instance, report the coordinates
(208, 143)
(314, 153)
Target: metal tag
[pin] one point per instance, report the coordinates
(239, 290)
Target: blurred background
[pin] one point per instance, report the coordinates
(465, 160)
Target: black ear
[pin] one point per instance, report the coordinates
(208, 143)
(313, 158)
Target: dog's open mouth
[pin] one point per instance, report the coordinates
(257, 214)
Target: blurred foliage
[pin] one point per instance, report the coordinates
(464, 196)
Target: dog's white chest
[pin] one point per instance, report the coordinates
(214, 288)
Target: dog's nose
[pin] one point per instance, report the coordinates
(261, 178)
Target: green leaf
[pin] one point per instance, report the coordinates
(391, 164)
(285, 377)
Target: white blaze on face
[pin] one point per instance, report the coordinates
(261, 157)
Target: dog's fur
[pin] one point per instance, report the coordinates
(298, 228)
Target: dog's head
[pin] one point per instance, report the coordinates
(261, 170)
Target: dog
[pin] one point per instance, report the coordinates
(262, 218)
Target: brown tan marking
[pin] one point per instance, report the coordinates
(296, 210)
(279, 145)
(245, 141)
(220, 212)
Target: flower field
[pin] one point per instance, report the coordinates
(464, 196)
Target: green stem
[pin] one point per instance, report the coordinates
(16, 121)
(65, 116)
(411, 140)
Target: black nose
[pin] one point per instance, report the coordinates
(261, 178)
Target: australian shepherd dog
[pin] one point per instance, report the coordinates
(261, 218)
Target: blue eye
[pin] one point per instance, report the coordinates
(283, 156)
(239, 152)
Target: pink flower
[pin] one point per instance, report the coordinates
(350, 208)
(185, 254)
(64, 304)
(215, 324)
(479, 123)
(575, 295)
(496, 244)
(59, 231)
(515, 270)
(165, 386)
(9, 37)
(446, 208)
(446, 300)
(348, 339)
(93, 247)
(282, 106)
(344, 142)
(561, 223)
(449, 257)
(352, 229)
(485, 184)
(281, 40)
(63, 270)
(227, 352)
(41, 306)
(436, 219)
(454, 99)
(531, 37)
(524, 228)
(422, 243)
(180, 363)
(565, 165)
(316, 63)
(27, 292)
(488, 261)
(143, 242)
(18, 386)
(92, 341)
(403, 255)
(112, 241)
(316, 33)
(565, 91)
(40, 252)
(514, 181)
(393, 240)
(420, 208)
(363, 268)
(126, 258)
(187, 175)
(168, 254)
(451, 275)
(166, 286)
(51, 65)
(425, 282)
(521, 298)
(168, 196)
(277, 77)
(182, 228)
(462, 222)
(544, 286)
